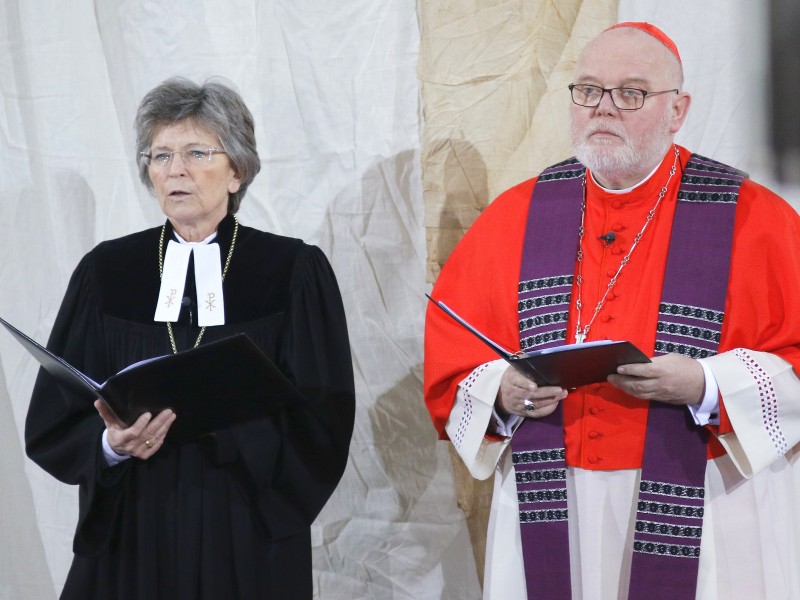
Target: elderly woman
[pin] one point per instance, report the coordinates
(227, 515)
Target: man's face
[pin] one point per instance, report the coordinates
(623, 147)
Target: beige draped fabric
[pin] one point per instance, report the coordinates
(494, 78)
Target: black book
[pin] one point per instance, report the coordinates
(209, 388)
(568, 366)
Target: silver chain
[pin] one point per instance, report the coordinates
(580, 336)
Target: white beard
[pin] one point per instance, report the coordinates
(634, 157)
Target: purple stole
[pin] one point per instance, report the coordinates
(666, 545)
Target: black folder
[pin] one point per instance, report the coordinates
(209, 388)
(568, 366)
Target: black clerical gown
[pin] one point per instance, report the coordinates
(227, 516)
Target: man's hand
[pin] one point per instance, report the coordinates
(142, 439)
(516, 391)
(671, 378)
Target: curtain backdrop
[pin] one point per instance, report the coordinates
(335, 91)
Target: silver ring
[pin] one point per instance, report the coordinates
(529, 405)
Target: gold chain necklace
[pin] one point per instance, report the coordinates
(161, 274)
(580, 335)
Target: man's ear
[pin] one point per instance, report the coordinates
(680, 108)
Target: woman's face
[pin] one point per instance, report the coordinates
(193, 194)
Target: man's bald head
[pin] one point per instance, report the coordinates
(641, 39)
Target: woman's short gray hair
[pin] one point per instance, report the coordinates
(214, 106)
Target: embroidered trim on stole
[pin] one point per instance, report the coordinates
(702, 172)
(536, 472)
(543, 302)
(678, 513)
(680, 326)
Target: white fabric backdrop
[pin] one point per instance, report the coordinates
(333, 90)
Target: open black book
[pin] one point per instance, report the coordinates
(210, 387)
(568, 366)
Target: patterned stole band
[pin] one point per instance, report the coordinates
(666, 542)
(546, 277)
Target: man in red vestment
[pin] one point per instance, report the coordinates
(627, 105)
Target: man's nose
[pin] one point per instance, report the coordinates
(606, 104)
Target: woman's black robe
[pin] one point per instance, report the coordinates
(227, 516)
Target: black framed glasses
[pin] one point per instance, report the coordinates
(624, 98)
(191, 157)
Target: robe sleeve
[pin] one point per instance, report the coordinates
(63, 430)
(471, 417)
(297, 458)
(479, 282)
(762, 392)
(759, 360)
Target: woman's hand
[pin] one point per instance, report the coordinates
(518, 395)
(142, 439)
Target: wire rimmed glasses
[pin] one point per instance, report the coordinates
(191, 157)
(623, 98)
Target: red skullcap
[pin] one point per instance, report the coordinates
(651, 30)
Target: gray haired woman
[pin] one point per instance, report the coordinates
(226, 515)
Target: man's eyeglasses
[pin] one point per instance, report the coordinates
(191, 157)
(624, 98)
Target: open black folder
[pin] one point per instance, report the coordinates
(568, 366)
(210, 387)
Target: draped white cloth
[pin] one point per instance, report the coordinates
(334, 93)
